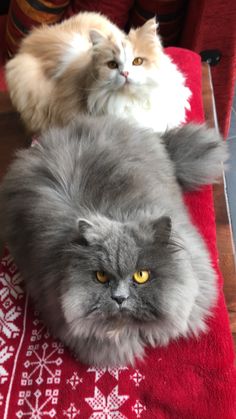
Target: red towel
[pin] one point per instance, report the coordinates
(190, 379)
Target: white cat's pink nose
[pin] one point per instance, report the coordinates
(124, 73)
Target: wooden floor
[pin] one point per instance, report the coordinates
(13, 136)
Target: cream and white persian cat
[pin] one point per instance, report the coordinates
(87, 64)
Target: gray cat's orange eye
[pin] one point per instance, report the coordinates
(102, 277)
(141, 276)
(138, 61)
(112, 64)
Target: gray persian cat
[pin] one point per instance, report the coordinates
(100, 233)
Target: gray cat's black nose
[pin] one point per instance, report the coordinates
(119, 299)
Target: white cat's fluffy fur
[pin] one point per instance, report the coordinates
(160, 105)
(63, 70)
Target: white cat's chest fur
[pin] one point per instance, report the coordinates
(159, 110)
(160, 106)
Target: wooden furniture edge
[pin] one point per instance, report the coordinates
(225, 246)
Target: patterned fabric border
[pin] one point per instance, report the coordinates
(25, 14)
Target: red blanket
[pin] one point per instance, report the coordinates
(188, 379)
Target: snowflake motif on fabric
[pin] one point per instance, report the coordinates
(7, 325)
(138, 408)
(10, 286)
(71, 412)
(10, 283)
(74, 381)
(137, 377)
(8, 262)
(37, 406)
(10, 292)
(5, 353)
(1, 399)
(37, 334)
(99, 372)
(43, 362)
(106, 407)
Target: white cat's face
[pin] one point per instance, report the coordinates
(132, 62)
(126, 68)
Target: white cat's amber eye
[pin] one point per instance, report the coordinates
(137, 61)
(141, 276)
(112, 64)
(102, 277)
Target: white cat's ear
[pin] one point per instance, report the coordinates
(149, 27)
(147, 33)
(96, 37)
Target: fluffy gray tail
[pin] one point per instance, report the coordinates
(197, 152)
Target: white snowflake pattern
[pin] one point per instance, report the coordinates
(42, 331)
(7, 303)
(1, 399)
(7, 325)
(10, 293)
(10, 286)
(99, 372)
(137, 377)
(9, 261)
(5, 353)
(74, 380)
(106, 407)
(71, 412)
(138, 408)
(43, 363)
(37, 407)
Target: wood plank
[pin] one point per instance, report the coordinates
(223, 230)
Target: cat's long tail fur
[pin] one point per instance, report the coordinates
(31, 100)
(198, 153)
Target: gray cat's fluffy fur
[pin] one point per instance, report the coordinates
(104, 196)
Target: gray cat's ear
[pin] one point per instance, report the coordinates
(83, 226)
(96, 37)
(162, 229)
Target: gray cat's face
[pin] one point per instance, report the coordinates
(118, 271)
